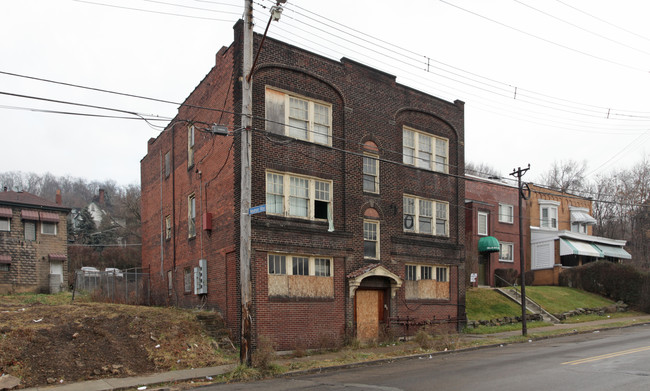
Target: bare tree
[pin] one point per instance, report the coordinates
(566, 176)
(482, 170)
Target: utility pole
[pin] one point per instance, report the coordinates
(244, 216)
(519, 172)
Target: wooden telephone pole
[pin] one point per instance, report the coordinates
(244, 216)
(522, 264)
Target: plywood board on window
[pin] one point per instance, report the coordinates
(411, 290)
(311, 286)
(278, 285)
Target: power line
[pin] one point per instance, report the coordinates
(603, 20)
(581, 28)
(151, 11)
(546, 40)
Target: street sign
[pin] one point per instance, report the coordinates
(257, 209)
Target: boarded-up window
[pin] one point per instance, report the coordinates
(420, 284)
(300, 276)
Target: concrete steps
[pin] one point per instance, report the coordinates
(531, 306)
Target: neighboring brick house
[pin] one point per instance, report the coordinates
(560, 233)
(362, 179)
(33, 243)
(491, 227)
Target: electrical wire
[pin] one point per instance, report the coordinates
(151, 11)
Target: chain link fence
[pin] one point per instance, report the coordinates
(115, 286)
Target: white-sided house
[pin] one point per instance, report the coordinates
(560, 235)
(574, 249)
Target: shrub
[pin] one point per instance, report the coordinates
(423, 339)
(613, 280)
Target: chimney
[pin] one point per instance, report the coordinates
(58, 197)
(101, 196)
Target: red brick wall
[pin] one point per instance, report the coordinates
(485, 197)
(366, 105)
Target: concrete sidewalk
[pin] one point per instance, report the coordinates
(138, 381)
(114, 384)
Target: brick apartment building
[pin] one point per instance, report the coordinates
(491, 228)
(362, 182)
(33, 243)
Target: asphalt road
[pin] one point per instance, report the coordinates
(609, 360)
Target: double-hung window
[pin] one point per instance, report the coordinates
(425, 151)
(506, 252)
(298, 117)
(5, 224)
(48, 228)
(298, 196)
(370, 174)
(371, 239)
(30, 230)
(506, 214)
(420, 215)
(548, 214)
(482, 223)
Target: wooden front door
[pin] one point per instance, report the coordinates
(369, 307)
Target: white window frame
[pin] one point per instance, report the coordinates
(424, 150)
(551, 222)
(506, 217)
(168, 164)
(512, 252)
(367, 237)
(418, 272)
(32, 229)
(420, 211)
(579, 228)
(368, 176)
(312, 120)
(191, 215)
(49, 224)
(5, 224)
(283, 264)
(318, 190)
(479, 231)
(190, 145)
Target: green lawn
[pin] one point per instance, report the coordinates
(487, 304)
(558, 299)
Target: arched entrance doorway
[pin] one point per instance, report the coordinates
(372, 288)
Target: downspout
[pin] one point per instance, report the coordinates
(162, 219)
(173, 218)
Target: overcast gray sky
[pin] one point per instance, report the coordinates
(542, 80)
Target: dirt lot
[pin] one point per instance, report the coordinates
(62, 343)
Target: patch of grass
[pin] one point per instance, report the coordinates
(486, 304)
(559, 299)
(591, 317)
(504, 328)
(38, 298)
